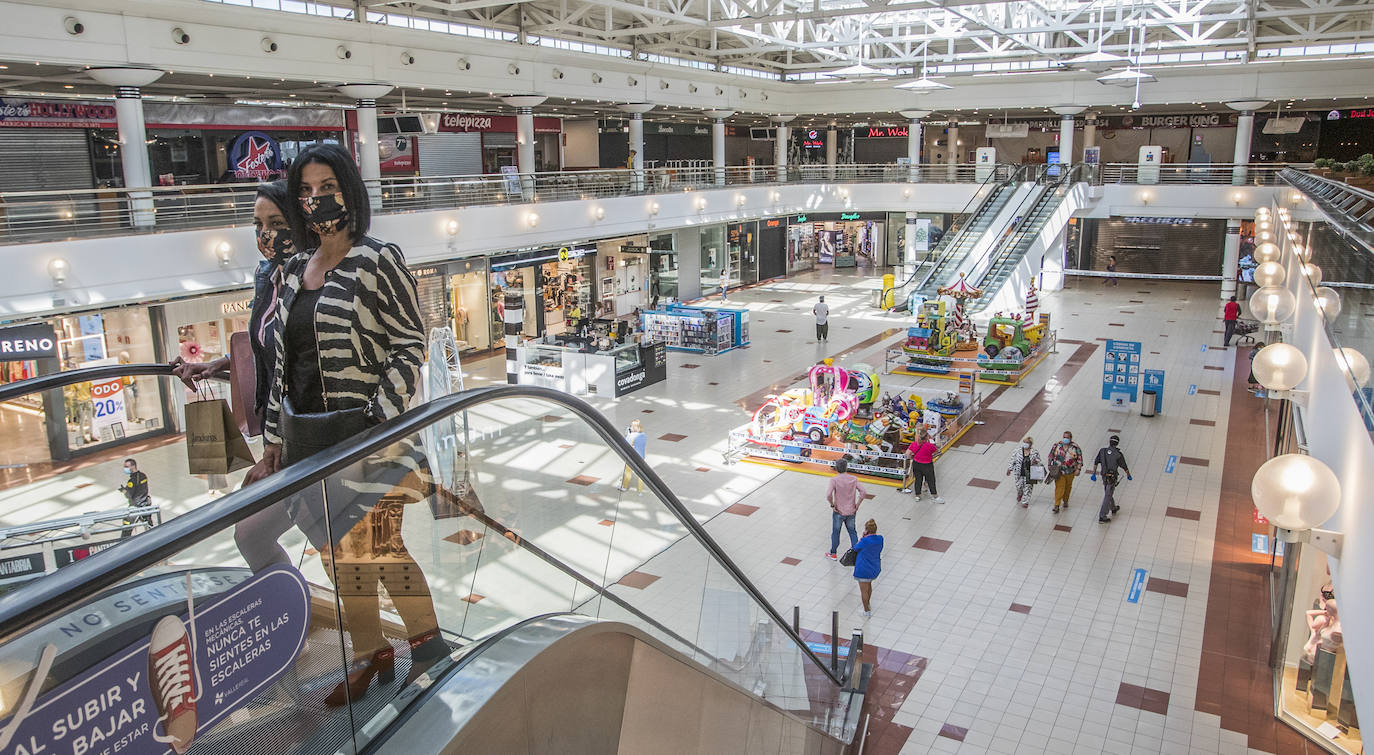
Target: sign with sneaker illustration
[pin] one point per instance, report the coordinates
(158, 694)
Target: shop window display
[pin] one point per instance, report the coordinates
(471, 314)
(662, 270)
(1317, 696)
(107, 412)
(713, 256)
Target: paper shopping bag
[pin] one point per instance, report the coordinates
(214, 444)
(243, 384)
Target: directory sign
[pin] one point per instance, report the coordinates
(1121, 371)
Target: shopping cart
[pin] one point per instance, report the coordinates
(1245, 331)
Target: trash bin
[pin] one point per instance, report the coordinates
(1148, 400)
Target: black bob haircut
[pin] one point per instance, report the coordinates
(350, 185)
(276, 193)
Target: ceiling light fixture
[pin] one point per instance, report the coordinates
(923, 84)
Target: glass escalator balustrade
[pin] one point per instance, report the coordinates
(301, 614)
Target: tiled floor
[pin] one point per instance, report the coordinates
(995, 628)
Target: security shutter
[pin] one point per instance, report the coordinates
(450, 154)
(40, 159)
(1154, 246)
(499, 139)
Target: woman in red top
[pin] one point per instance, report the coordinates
(922, 454)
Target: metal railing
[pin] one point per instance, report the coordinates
(35, 216)
(1347, 209)
(1254, 174)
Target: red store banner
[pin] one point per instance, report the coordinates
(465, 122)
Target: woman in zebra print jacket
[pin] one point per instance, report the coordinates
(349, 347)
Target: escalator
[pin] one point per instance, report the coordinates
(991, 197)
(506, 598)
(1037, 210)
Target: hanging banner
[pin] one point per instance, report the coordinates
(156, 695)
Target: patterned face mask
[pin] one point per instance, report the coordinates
(326, 214)
(275, 245)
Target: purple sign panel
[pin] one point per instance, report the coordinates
(156, 695)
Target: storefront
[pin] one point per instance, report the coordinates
(623, 277)
(198, 330)
(468, 143)
(842, 239)
(555, 284)
(742, 242)
(582, 369)
(1148, 245)
(71, 144)
(79, 419)
(772, 248)
(663, 270)
(471, 304)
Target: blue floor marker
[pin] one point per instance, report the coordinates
(1204, 347)
(1192, 389)
(1169, 465)
(1137, 586)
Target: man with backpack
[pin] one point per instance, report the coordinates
(1111, 462)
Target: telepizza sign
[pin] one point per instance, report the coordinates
(255, 155)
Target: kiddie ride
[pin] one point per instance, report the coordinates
(840, 415)
(944, 343)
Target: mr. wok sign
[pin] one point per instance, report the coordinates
(255, 155)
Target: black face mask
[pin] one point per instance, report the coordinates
(276, 245)
(325, 214)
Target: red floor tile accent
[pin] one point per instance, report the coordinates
(1194, 461)
(1218, 348)
(1063, 528)
(1212, 367)
(1163, 335)
(1135, 301)
(1143, 698)
(741, 509)
(791, 561)
(703, 469)
(1192, 514)
(690, 366)
(583, 480)
(783, 331)
(464, 537)
(1003, 426)
(978, 482)
(1208, 392)
(1127, 312)
(565, 445)
(933, 544)
(1116, 324)
(1167, 587)
(1234, 678)
(671, 437)
(648, 411)
(1019, 608)
(1113, 430)
(606, 523)
(1203, 422)
(550, 418)
(473, 598)
(956, 733)
(713, 383)
(637, 579)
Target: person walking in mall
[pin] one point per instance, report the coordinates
(1111, 462)
(868, 563)
(844, 496)
(135, 490)
(1111, 271)
(822, 313)
(724, 281)
(1024, 465)
(636, 438)
(921, 454)
(1230, 315)
(1066, 461)
(349, 344)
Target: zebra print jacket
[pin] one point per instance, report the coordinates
(367, 325)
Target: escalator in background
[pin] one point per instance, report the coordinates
(440, 549)
(991, 197)
(1037, 210)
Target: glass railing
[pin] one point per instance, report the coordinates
(301, 613)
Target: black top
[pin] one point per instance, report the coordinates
(1111, 459)
(303, 382)
(136, 489)
(262, 333)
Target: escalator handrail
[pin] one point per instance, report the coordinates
(1018, 176)
(86, 578)
(954, 238)
(11, 391)
(1008, 249)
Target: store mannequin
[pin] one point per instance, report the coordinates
(1325, 625)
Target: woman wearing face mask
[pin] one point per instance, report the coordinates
(349, 348)
(1066, 461)
(1022, 461)
(276, 246)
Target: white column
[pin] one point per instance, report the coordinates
(780, 145)
(369, 155)
(952, 149)
(133, 136)
(1230, 259)
(524, 105)
(913, 144)
(832, 150)
(637, 111)
(1245, 128)
(1066, 114)
(1090, 129)
(718, 142)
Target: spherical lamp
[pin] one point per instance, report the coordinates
(1328, 301)
(1313, 273)
(1280, 366)
(1272, 305)
(1269, 252)
(1263, 225)
(1269, 274)
(1304, 253)
(1354, 365)
(1295, 492)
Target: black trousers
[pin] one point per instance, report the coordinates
(822, 331)
(1230, 326)
(923, 472)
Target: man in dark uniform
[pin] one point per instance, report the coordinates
(135, 490)
(1111, 462)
